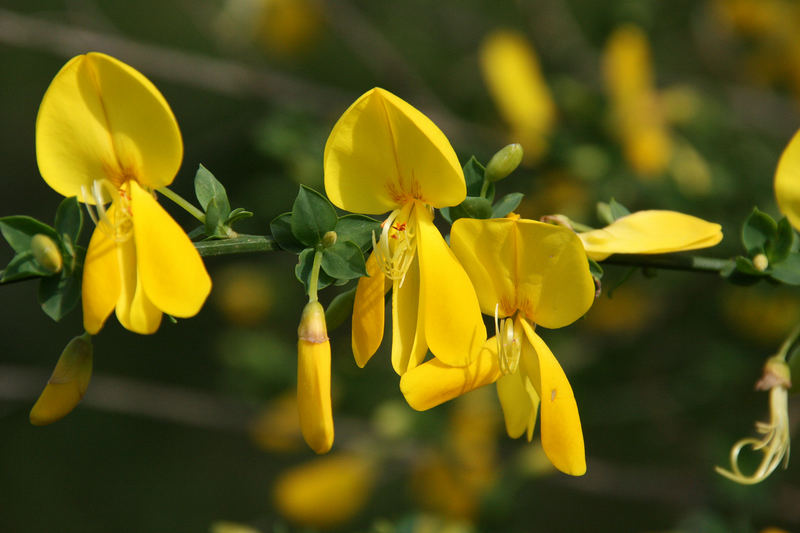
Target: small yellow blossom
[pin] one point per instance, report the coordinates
(67, 384)
(325, 492)
(525, 274)
(651, 232)
(314, 379)
(511, 71)
(384, 155)
(105, 134)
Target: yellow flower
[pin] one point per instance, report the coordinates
(511, 72)
(651, 232)
(314, 379)
(105, 134)
(525, 273)
(787, 181)
(67, 384)
(384, 155)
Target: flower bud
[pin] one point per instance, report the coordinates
(314, 379)
(329, 239)
(67, 384)
(760, 262)
(45, 251)
(504, 162)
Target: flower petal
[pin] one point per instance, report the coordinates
(134, 310)
(519, 407)
(562, 437)
(314, 394)
(453, 325)
(368, 311)
(433, 382)
(383, 152)
(537, 268)
(511, 72)
(408, 327)
(101, 278)
(101, 119)
(651, 232)
(787, 181)
(172, 273)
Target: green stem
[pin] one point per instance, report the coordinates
(237, 245)
(788, 343)
(484, 188)
(313, 281)
(670, 262)
(178, 199)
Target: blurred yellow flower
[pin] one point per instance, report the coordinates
(314, 379)
(67, 384)
(105, 134)
(511, 72)
(525, 273)
(763, 313)
(636, 110)
(325, 492)
(651, 232)
(384, 155)
(244, 294)
(277, 427)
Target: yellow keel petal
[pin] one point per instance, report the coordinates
(408, 327)
(101, 279)
(562, 437)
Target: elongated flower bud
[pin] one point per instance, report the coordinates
(67, 384)
(314, 379)
(504, 162)
(46, 253)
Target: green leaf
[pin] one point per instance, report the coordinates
(59, 295)
(69, 218)
(611, 211)
(506, 204)
(473, 176)
(207, 188)
(595, 269)
(340, 309)
(312, 216)
(303, 270)
(238, 214)
(358, 229)
(22, 266)
(758, 229)
(344, 260)
(445, 211)
(778, 248)
(472, 207)
(18, 230)
(788, 270)
(281, 229)
(216, 215)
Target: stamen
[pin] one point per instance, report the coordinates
(509, 345)
(396, 246)
(121, 228)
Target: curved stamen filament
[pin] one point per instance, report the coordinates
(509, 345)
(774, 444)
(397, 245)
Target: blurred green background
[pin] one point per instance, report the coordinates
(193, 429)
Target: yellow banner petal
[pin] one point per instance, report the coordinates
(383, 153)
(651, 232)
(433, 382)
(101, 119)
(537, 268)
(101, 277)
(314, 394)
(787, 181)
(562, 436)
(453, 325)
(368, 313)
(172, 273)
